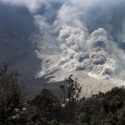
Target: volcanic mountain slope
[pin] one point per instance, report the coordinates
(17, 32)
(54, 39)
(52, 81)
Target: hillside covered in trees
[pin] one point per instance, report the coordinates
(68, 109)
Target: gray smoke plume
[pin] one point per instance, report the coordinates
(78, 35)
(87, 41)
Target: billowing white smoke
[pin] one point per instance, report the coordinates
(80, 35)
(81, 51)
(92, 52)
(103, 63)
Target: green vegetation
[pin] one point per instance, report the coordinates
(10, 94)
(47, 109)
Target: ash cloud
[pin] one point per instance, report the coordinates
(86, 38)
(83, 35)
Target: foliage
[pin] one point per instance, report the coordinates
(73, 89)
(83, 114)
(44, 108)
(114, 99)
(47, 109)
(10, 94)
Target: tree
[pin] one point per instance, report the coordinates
(114, 99)
(73, 89)
(10, 93)
(46, 108)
